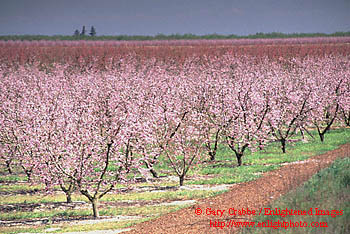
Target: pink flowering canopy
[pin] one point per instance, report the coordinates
(84, 116)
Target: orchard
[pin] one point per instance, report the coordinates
(89, 116)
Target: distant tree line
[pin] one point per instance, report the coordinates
(82, 35)
(83, 32)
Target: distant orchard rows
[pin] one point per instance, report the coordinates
(88, 127)
(104, 53)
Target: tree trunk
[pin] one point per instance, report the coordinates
(154, 173)
(212, 152)
(182, 178)
(302, 134)
(212, 155)
(347, 118)
(8, 166)
(283, 143)
(149, 165)
(93, 200)
(29, 175)
(347, 121)
(68, 191)
(94, 203)
(329, 124)
(239, 158)
(69, 197)
(322, 136)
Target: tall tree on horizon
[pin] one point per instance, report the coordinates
(83, 31)
(76, 33)
(92, 31)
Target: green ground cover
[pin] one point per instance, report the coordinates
(326, 190)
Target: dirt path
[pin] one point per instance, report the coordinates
(252, 195)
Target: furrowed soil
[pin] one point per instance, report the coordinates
(251, 195)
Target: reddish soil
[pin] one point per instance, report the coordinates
(252, 195)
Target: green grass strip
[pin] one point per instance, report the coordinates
(326, 190)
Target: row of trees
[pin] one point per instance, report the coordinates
(89, 130)
(107, 54)
(83, 32)
(175, 36)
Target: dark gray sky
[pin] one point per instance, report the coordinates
(150, 17)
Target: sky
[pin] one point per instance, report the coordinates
(151, 17)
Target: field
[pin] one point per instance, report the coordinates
(104, 135)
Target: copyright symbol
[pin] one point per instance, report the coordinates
(198, 211)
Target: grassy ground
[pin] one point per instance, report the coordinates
(327, 190)
(221, 171)
(271, 158)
